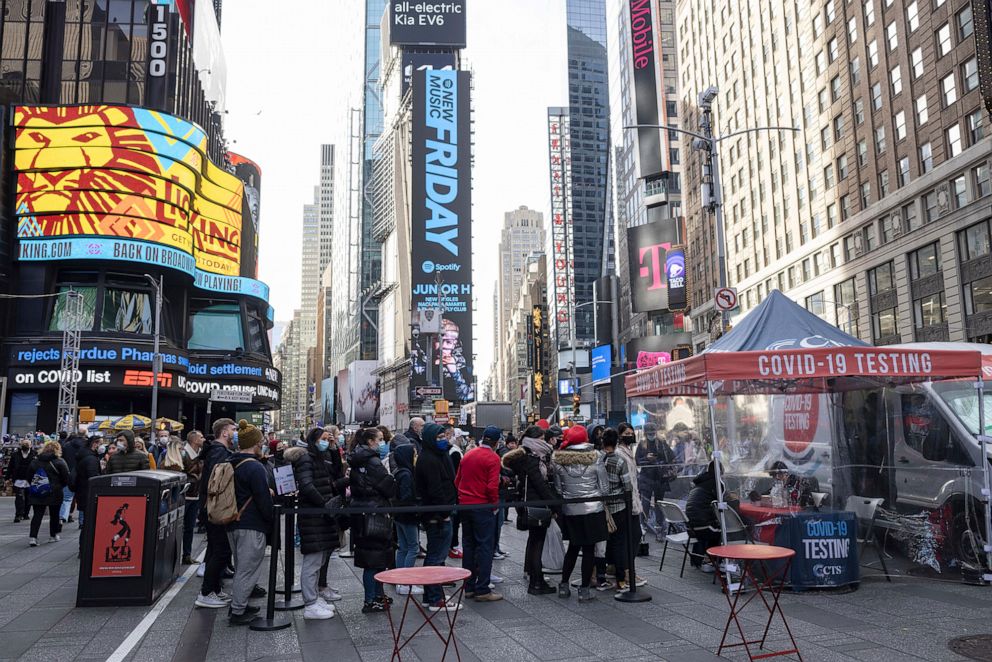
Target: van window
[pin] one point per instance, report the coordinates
(928, 432)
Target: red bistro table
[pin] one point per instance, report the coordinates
(750, 555)
(760, 518)
(426, 576)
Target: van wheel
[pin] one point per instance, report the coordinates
(967, 536)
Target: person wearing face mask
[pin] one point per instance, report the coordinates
(218, 556)
(19, 472)
(128, 457)
(434, 482)
(318, 533)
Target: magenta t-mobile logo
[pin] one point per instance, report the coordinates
(652, 262)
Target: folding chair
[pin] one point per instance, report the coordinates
(866, 510)
(674, 516)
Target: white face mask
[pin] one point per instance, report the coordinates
(121, 445)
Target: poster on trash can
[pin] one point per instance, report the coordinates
(118, 536)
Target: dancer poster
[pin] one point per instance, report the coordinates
(119, 536)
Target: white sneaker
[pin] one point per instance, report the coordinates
(318, 611)
(495, 579)
(708, 568)
(210, 601)
(226, 597)
(330, 594)
(325, 603)
(402, 589)
(55, 538)
(417, 590)
(201, 570)
(499, 556)
(33, 542)
(450, 605)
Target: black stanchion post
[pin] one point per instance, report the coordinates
(269, 622)
(631, 594)
(288, 602)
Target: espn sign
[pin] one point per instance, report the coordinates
(147, 378)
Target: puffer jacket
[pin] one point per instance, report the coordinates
(58, 478)
(578, 474)
(699, 503)
(318, 533)
(123, 462)
(531, 483)
(371, 485)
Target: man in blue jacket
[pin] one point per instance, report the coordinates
(247, 535)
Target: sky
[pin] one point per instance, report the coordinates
(293, 75)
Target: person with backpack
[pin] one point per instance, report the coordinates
(49, 477)
(318, 533)
(19, 473)
(128, 457)
(87, 466)
(371, 487)
(218, 554)
(245, 509)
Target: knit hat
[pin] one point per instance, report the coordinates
(248, 435)
(492, 432)
(543, 424)
(574, 436)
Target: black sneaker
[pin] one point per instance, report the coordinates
(250, 609)
(240, 619)
(384, 600)
(541, 589)
(188, 560)
(373, 607)
(258, 592)
(17, 520)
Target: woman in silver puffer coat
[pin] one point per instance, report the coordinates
(578, 474)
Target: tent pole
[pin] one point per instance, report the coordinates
(717, 469)
(984, 440)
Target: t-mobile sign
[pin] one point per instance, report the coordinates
(643, 58)
(656, 281)
(416, 23)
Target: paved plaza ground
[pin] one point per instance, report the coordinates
(908, 619)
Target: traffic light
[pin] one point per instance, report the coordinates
(575, 405)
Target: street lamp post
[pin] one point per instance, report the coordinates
(156, 357)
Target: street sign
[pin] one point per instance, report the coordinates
(224, 395)
(726, 298)
(425, 392)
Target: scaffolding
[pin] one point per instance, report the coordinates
(69, 370)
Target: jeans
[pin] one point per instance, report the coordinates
(478, 540)
(438, 544)
(217, 558)
(617, 546)
(500, 518)
(189, 525)
(54, 525)
(309, 570)
(533, 553)
(21, 507)
(408, 544)
(373, 589)
(67, 497)
(248, 548)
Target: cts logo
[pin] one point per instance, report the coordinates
(146, 378)
(823, 571)
(430, 267)
(651, 259)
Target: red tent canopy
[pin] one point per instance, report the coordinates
(819, 370)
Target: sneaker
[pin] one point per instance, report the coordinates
(585, 594)
(640, 581)
(373, 607)
(575, 583)
(469, 594)
(33, 542)
(385, 599)
(318, 611)
(499, 556)
(258, 592)
(622, 587)
(417, 590)
(188, 560)
(708, 568)
(605, 585)
(403, 589)
(201, 570)
(235, 620)
(250, 609)
(226, 597)
(210, 601)
(441, 605)
(328, 594)
(325, 603)
(541, 589)
(346, 555)
(455, 553)
(55, 538)
(495, 579)
(492, 596)
(71, 519)
(564, 591)
(17, 520)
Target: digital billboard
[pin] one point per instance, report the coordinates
(417, 60)
(441, 224)
(562, 292)
(602, 362)
(648, 247)
(126, 183)
(430, 23)
(643, 60)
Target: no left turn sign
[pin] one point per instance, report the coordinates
(726, 298)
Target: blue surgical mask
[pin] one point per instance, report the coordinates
(341, 439)
(442, 444)
(383, 449)
(323, 444)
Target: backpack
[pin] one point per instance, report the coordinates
(41, 485)
(222, 506)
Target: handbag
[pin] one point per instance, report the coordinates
(537, 516)
(377, 526)
(611, 525)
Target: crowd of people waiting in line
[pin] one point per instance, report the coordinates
(428, 465)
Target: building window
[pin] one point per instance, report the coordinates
(870, 237)
(974, 241)
(846, 306)
(869, 13)
(838, 127)
(845, 207)
(922, 115)
(912, 218)
(930, 211)
(876, 96)
(917, 63)
(852, 30)
(850, 248)
(892, 36)
(872, 54)
(883, 183)
(821, 63)
(953, 135)
(817, 25)
(842, 167)
(904, 176)
(821, 100)
(215, 326)
(814, 304)
(895, 76)
(881, 279)
(832, 49)
(60, 320)
(928, 311)
(880, 140)
(912, 17)
(969, 75)
(966, 23)
(865, 195)
(976, 126)
(835, 257)
(825, 137)
(944, 44)
(983, 185)
(828, 177)
(900, 119)
(807, 270)
(883, 324)
(978, 296)
(830, 11)
(835, 88)
(831, 215)
(924, 261)
(926, 158)
(959, 192)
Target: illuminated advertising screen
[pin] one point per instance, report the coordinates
(419, 23)
(602, 362)
(441, 226)
(126, 184)
(650, 272)
(643, 60)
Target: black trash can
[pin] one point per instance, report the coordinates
(132, 538)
